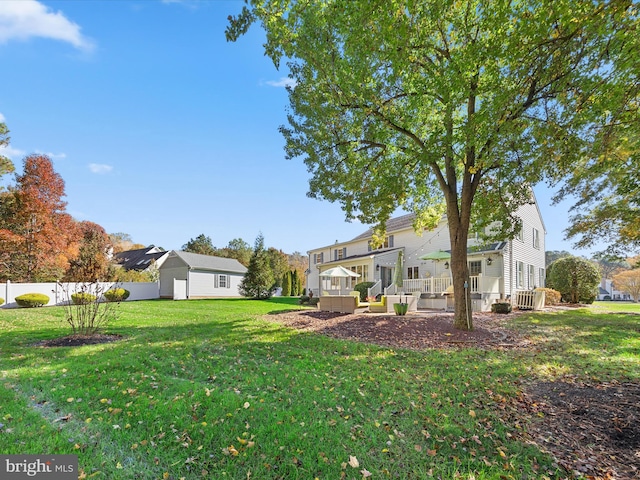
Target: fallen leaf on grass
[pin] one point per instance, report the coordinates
(353, 461)
(365, 473)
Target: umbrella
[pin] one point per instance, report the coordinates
(397, 277)
(437, 255)
(338, 272)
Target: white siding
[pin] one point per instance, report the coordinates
(524, 251)
(203, 283)
(167, 274)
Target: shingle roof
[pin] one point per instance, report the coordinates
(137, 259)
(208, 262)
(393, 225)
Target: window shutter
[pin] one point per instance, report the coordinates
(215, 281)
(390, 241)
(344, 252)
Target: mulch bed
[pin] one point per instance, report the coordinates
(593, 431)
(415, 331)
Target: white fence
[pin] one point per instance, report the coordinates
(530, 299)
(59, 293)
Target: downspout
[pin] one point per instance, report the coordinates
(511, 269)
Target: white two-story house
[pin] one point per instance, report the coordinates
(496, 270)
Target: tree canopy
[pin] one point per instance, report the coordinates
(452, 107)
(201, 244)
(37, 237)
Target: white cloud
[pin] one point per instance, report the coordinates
(12, 153)
(2, 118)
(283, 82)
(21, 20)
(100, 168)
(53, 156)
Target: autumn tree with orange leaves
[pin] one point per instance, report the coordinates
(37, 237)
(92, 262)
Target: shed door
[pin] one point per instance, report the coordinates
(179, 289)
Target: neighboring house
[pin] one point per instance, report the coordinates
(141, 259)
(496, 271)
(186, 275)
(607, 291)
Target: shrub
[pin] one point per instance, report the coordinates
(575, 278)
(31, 300)
(82, 298)
(1, 301)
(362, 287)
(501, 307)
(304, 300)
(86, 314)
(314, 301)
(117, 294)
(551, 296)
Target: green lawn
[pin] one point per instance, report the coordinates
(206, 389)
(628, 307)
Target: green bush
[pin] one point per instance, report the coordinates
(551, 296)
(304, 300)
(362, 287)
(82, 298)
(1, 301)
(117, 294)
(501, 307)
(314, 301)
(31, 300)
(575, 278)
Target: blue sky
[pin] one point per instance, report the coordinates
(163, 130)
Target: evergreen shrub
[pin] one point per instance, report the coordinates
(117, 294)
(363, 288)
(82, 298)
(31, 300)
(501, 307)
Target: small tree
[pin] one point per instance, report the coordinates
(259, 280)
(628, 282)
(89, 315)
(295, 283)
(286, 284)
(575, 278)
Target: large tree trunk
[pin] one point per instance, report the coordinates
(462, 299)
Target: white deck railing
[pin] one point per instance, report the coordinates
(435, 285)
(375, 290)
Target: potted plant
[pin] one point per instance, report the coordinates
(401, 308)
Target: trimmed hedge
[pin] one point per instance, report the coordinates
(31, 300)
(116, 294)
(501, 307)
(82, 298)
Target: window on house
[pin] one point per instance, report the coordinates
(388, 243)
(318, 257)
(223, 281)
(339, 253)
(536, 238)
(542, 277)
(412, 273)
(519, 275)
(532, 278)
(475, 268)
(520, 234)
